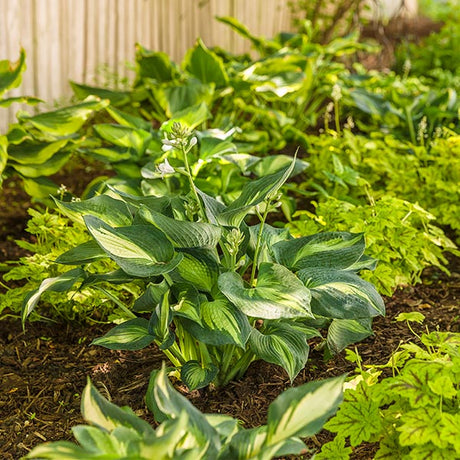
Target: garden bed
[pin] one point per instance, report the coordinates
(45, 367)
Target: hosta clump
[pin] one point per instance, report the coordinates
(220, 293)
(185, 433)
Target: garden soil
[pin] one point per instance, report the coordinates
(44, 368)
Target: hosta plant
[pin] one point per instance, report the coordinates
(220, 289)
(185, 433)
(412, 414)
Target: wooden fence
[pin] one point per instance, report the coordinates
(92, 41)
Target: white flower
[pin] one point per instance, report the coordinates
(336, 93)
(165, 168)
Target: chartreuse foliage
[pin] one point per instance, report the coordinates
(185, 433)
(220, 293)
(413, 414)
(54, 234)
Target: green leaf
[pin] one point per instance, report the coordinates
(124, 136)
(191, 116)
(61, 450)
(82, 254)
(3, 156)
(252, 194)
(35, 154)
(65, 121)
(420, 426)
(335, 449)
(39, 187)
(11, 72)
(183, 234)
(205, 65)
(126, 119)
(200, 268)
(334, 250)
(451, 430)
(130, 335)
(359, 416)
(60, 283)
(102, 413)
(341, 294)
(47, 168)
(344, 332)
(155, 65)
(19, 100)
(413, 316)
(278, 293)
(165, 402)
(140, 250)
(221, 324)
(195, 376)
(246, 444)
(281, 344)
(112, 211)
(302, 411)
(115, 97)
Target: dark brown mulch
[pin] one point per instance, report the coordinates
(44, 369)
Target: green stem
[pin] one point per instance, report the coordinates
(337, 117)
(410, 124)
(239, 368)
(259, 239)
(192, 185)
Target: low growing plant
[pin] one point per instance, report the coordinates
(412, 414)
(219, 291)
(185, 433)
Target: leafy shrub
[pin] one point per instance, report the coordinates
(185, 432)
(220, 293)
(53, 233)
(412, 414)
(399, 235)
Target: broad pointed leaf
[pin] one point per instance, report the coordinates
(140, 250)
(47, 168)
(130, 335)
(281, 344)
(35, 154)
(195, 376)
(115, 97)
(200, 268)
(341, 294)
(183, 234)
(123, 136)
(11, 72)
(278, 293)
(82, 254)
(344, 332)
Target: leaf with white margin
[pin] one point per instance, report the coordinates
(140, 250)
(278, 293)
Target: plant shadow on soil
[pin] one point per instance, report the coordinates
(43, 369)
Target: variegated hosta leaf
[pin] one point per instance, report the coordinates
(60, 283)
(35, 154)
(278, 293)
(331, 250)
(82, 254)
(302, 411)
(102, 413)
(183, 234)
(221, 324)
(246, 444)
(252, 194)
(166, 403)
(199, 268)
(68, 120)
(341, 294)
(159, 323)
(140, 250)
(281, 344)
(111, 211)
(130, 335)
(344, 332)
(195, 376)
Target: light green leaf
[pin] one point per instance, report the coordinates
(3, 156)
(183, 234)
(19, 100)
(341, 294)
(126, 119)
(191, 116)
(58, 284)
(281, 344)
(205, 65)
(35, 154)
(11, 72)
(115, 97)
(155, 65)
(82, 254)
(252, 194)
(195, 376)
(302, 411)
(334, 450)
(102, 413)
(47, 168)
(344, 332)
(124, 136)
(420, 426)
(246, 444)
(278, 293)
(140, 250)
(335, 250)
(130, 335)
(413, 316)
(61, 450)
(221, 324)
(112, 211)
(95, 440)
(65, 121)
